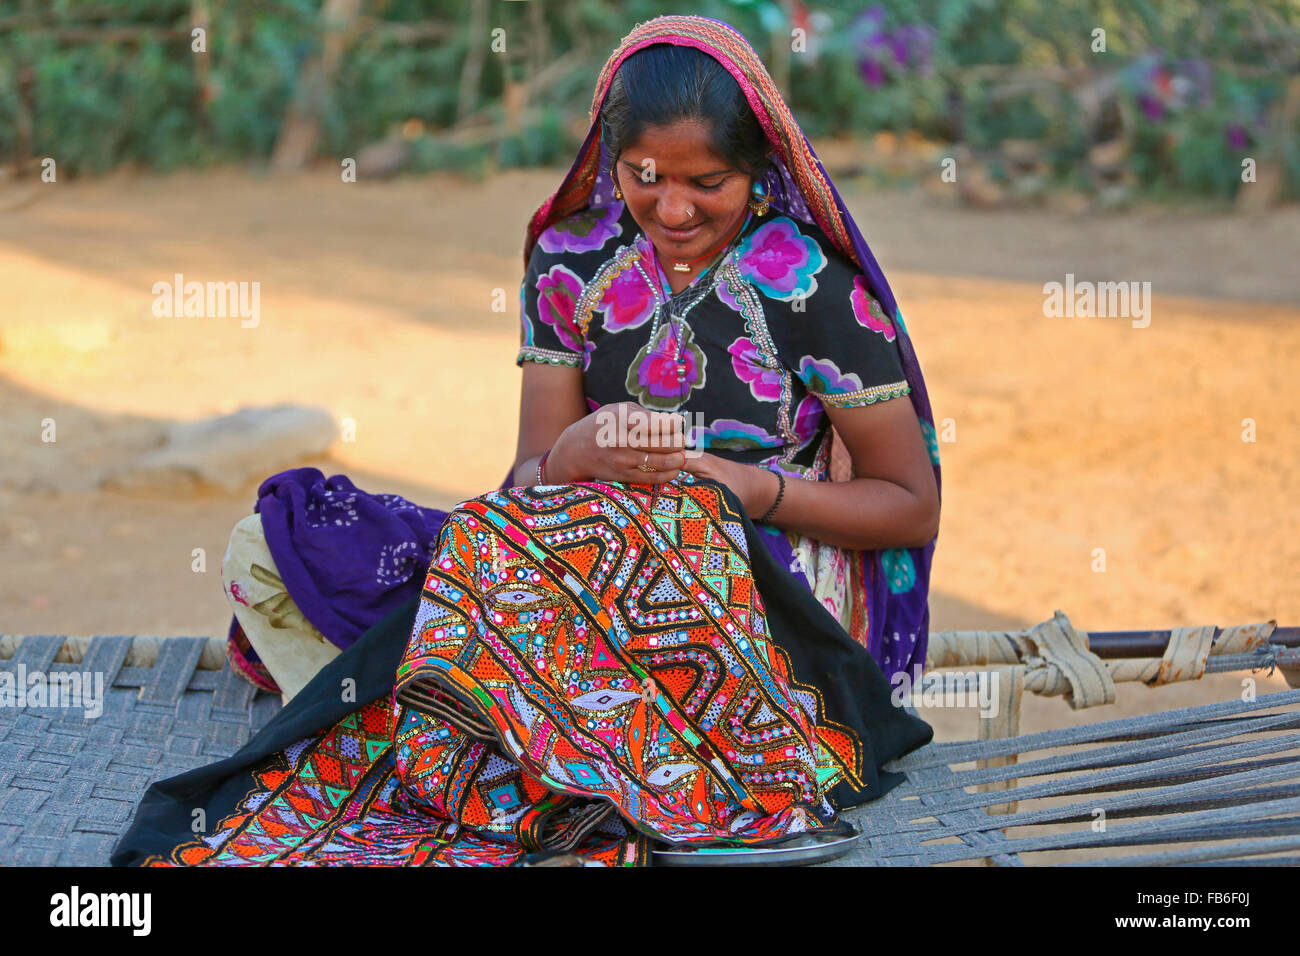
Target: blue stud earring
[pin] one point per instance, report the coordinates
(761, 201)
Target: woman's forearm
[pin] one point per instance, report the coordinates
(525, 473)
(559, 468)
(861, 514)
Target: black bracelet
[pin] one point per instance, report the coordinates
(780, 491)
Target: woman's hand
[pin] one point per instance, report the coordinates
(608, 444)
(755, 487)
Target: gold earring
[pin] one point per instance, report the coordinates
(760, 203)
(618, 193)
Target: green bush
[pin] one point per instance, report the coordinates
(940, 67)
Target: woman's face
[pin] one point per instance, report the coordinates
(672, 171)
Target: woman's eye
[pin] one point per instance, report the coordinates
(716, 185)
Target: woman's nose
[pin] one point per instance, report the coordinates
(674, 208)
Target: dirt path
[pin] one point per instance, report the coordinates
(1071, 434)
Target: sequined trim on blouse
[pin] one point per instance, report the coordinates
(530, 353)
(866, 396)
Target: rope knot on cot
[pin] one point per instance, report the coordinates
(1063, 658)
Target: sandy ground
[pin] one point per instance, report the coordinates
(1062, 435)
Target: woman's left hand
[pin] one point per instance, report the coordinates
(745, 480)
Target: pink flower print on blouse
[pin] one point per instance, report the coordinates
(807, 417)
(868, 311)
(583, 231)
(764, 383)
(652, 376)
(557, 297)
(780, 261)
(627, 302)
(823, 377)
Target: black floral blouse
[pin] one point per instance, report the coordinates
(752, 351)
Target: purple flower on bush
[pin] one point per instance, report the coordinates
(1152, 108)
(1193, 78)
(913, 46)
(1165, 86)
(1237, 136)
(872, 72)
(907, 47)
(871, 20)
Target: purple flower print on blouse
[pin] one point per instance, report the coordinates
(868, 311)
(627, 302)
(764, 383)
(557, 297)
(726, 296)
(737, 436)
(583, 231)
(780, 261)
(652, 376)
(823, 377)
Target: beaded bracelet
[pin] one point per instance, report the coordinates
(541, 462)
(780, 491)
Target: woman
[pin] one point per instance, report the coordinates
(630, 642)
(817, 348)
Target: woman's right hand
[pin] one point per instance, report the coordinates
(608, 444)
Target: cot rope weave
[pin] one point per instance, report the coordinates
(1052, 658)
(1209, 784)
(1187, 657)
(142, 650)
(1058, 662)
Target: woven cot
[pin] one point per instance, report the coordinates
(1213, 784)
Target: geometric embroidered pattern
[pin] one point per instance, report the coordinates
(582, 675)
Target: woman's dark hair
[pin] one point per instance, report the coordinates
(664, 83)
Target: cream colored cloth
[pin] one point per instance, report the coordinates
(288, 644)
(827, 570)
